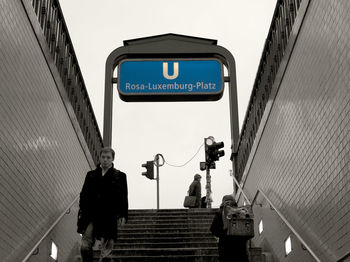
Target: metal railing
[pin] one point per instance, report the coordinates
(274, 49)
(347, 255)
(259, 191)
(241, 190)
(34, 250)
(284, 219)
(50, 18)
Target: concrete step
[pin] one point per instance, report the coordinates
(141, 226)
(169, 230)
(172, 211)
(166, 239)
(187, 251)
(171, 217)
(164, 258)
(167, 244)
(154, 220)
(137, 235)
(176, 213)
(255, 254)
(267, 257)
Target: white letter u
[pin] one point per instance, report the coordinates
(176, 71)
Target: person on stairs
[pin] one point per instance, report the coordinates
(195, 190)
(231, 248)
(103, 206)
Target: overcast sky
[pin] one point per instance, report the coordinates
(175, 129)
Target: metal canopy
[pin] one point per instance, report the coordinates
(170, 46)
(170, 36)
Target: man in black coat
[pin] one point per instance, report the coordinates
(103, 206)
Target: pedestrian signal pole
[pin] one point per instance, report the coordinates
(212, 154)
(208, 187)
(158, 164)
(149, 165)
(207, 142)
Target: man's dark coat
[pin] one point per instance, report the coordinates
(103, 199)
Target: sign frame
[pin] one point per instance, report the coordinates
(172, 46)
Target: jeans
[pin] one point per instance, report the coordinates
(88, 241)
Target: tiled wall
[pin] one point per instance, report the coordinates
(42, 164)
(303, 158)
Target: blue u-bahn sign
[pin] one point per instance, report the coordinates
(170, 79)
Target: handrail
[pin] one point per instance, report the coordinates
(343, 257)
(287, 223)
(241, 189)
(49, 230)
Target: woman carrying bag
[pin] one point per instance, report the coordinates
(193, 200)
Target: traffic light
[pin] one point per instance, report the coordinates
(207, 142)
(149, 173)
(213, 153)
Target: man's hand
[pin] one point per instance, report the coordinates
(121, 221)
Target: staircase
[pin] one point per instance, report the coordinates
(167, 235)
(180, 235)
